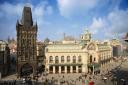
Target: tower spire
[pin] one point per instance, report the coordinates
(27, 17)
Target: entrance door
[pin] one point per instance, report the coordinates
(26, 70)
(68, 69)
(56, 69)
(51, 69)
(74, 69)
(62, 69)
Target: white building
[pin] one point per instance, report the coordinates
(81, 56)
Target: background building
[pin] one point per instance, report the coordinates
(117, 47)
(4, 58)
(41, 56)
(12, 44)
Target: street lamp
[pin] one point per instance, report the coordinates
(93, 69)
(115, 81)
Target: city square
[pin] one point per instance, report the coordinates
(31, 53)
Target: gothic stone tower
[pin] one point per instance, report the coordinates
(26, 43)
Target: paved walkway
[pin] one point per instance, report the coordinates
(77, 78)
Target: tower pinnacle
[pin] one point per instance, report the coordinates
(27, 17)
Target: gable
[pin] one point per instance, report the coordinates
(91, 46)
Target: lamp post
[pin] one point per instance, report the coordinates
(93, 69)
(115, 81)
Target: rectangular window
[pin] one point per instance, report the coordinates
(79, 58)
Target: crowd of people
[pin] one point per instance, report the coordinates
(69, 79)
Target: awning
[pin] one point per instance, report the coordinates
(67, 64)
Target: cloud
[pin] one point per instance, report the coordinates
(9, 13)
(118, 21)
(97, 24)
(115, 24)
(41, 9)
(10, 9)
(70, 7)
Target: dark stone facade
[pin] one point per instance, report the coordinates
(26, 42)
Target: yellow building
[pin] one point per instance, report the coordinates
(81, 56)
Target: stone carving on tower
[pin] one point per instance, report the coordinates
(26, 43)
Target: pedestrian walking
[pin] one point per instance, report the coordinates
(90, 81)
(86, 81)
(83, 82)
(80, 78)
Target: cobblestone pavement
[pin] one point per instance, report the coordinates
(116, 67)
(119, 70)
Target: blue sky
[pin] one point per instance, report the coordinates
(105, 19)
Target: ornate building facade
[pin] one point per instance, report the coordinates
(26, 43)
(85, 55)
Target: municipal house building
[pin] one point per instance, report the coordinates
(77, 56)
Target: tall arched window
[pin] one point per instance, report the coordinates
(68, 58)
(94, 58)
(62, 59)
(91, 59)
(51, 59)
(74, 59)
(79, 58)
(56, 59)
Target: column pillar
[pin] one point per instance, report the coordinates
(76, 69)
(84, 68)
(71, 69)
(53, 69)
(59, 69)
(65, 69)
